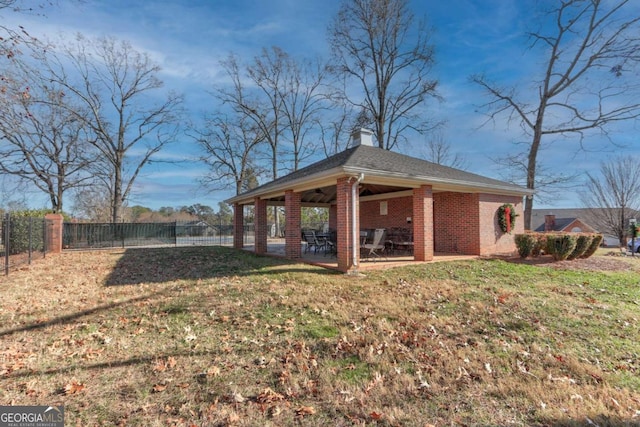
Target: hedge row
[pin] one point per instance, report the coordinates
(25, 232)
(559, 245)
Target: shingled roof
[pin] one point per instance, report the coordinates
(382, 166)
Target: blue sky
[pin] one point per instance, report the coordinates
(189, 38)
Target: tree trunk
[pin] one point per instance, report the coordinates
(117, 192)
(532, 163)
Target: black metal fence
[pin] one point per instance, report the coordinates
(22, 239)
(108, 235)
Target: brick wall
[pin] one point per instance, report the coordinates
(292, 209)
(238, 226)
(493, 241)
(423, 226)
(577, 223)
(456, 218)
(333, 217)
(344, 236)
(260, 225)
(398, 209)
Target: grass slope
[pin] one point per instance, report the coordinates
(215, 337)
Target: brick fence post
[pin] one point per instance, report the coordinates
(53, 224)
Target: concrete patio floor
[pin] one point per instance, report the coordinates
(275, 248)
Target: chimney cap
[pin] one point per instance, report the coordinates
(362, 136)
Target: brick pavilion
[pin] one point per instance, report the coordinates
(365, 187)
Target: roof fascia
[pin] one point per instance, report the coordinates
(438, 184)
(310, 182)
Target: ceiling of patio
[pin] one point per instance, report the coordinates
(327, 195)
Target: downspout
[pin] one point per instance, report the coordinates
(355, 233)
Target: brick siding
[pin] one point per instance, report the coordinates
(398, 209)
(493, 241)
(238, 226)
(423, 243)
(293, 234)
(260, 225)
(344, 244)
(457, 223)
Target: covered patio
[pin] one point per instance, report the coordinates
(276, 248)
(436, 209)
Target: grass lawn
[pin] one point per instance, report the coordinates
(216, 337)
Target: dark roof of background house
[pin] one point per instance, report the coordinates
(560, 224)
(585, 215)
(379, 160)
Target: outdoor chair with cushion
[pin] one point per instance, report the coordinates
(376, 248)
(309, 236)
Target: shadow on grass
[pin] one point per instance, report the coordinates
(600, 421)
(167, 265)
(160, 265)
(70, 318)
(145, 359)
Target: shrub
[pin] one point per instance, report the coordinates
(25, 232)
(541, 244)
(560, 246)
(525, 244)
(583, 242)
(593, 247)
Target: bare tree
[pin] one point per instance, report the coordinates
(229, 151)
(303, 100)
(591, 49)
(334, 131)
(113, 82)
(264, 112)
(613, 197)
(378, 44)
(280, 98)
(439, 152)
(92, 203)
(41, 140)
(549, 181)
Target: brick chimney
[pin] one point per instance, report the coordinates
(549, 222)
(362, 137)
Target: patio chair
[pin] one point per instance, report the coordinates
(331, 243)
(309, 236)
(376, 249)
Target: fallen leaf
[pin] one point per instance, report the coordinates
(73, 388)
(376, 415)
(171, 362)
(233, 418)
(303, 411)
(238, 398)
(214, 371)
(158, 388)
(160, 366)
(275, 411)
(269, 396)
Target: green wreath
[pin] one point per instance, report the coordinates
(507, 217)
